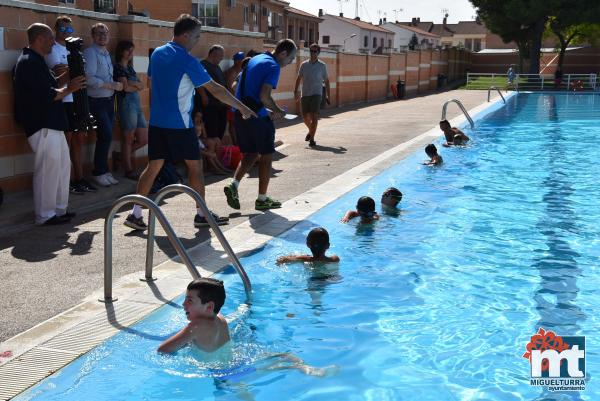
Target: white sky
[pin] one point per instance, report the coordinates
(427, 10)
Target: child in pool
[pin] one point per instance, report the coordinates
(365, 208)
(436, 159)
(452, 134)
(207, 328)
(390, 198)
(318, 243)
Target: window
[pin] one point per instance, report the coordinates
(389, 42)
(374, 43)
(207, 11)
(381, 42)
(326, 40)
(104, 6)
(291, 31)
(246, 14)
(469, 44)
(301, 33)
(311, 36)
(477, 45)
(67, 1)
(366, 42)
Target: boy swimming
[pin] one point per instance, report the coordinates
(453, 135)
(318, 243)
(365, 208)
(435, 158)
(391, 197)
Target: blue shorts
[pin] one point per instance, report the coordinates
(130, 112)
(255, 135)
(173, 144)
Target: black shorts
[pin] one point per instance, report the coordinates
(70, 112)
(255, 135)
(215, 120)
(173, 144)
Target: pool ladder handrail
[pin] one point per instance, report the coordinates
(500, 93)
(458, 102)
(179, 188)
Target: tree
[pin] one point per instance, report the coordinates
(414, 42)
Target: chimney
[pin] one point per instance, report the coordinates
(414, 21)
(418, 19)
(445, 20)
(357, 18)
(342, 15)
(320, 12)
(384, 20)
(380, 21)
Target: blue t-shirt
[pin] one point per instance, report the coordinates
(262, 69)
(175, 74)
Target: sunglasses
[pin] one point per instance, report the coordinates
(66, 29)
(388, 195)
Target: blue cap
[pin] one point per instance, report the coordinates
(239, 56)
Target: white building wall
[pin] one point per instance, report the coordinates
(338, 31)
(403, 36)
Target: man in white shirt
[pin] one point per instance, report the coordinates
(57, 62)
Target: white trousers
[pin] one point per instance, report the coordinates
(51, 173)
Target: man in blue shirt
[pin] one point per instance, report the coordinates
(175, 74)
(256, 136)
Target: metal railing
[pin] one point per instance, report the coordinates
(534, 82)
(458, 102)
(179, 188)
(500, 93)
(108, 226)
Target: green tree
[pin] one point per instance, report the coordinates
(414, 42)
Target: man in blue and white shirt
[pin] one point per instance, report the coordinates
(175, 74)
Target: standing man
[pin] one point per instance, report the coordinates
(230, 75)
(101, 88)
(256, 136)
(312, 73)
(214, 113)
(57, 62)
(175, 74)
(39, 109)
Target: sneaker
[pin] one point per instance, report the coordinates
(56, 220)
(76, 188)
(200, 221)
(86, 186)
(232, 196)
(268, 203)
(312, 143)
(307, 137)
(111, 179)
(68, 215)
(137, 223)
(101, 180)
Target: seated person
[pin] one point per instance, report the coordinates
(450, 133)
(318, 243)
(431, 151)
(212, 160)
(207, 329)
(365, 208)
(391, 197)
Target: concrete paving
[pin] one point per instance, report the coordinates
(46, 270)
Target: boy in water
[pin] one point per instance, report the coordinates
(365, 208)
(436, 159)
(318, 243)
(390, 198)
(453, 135)
(207, 329)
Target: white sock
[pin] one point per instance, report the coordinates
(262, 197)
(137, 211)
(236, 183)
(199, 212)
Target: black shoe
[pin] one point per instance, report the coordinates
(200, 221)
(76, 188)
(86, 186)
(312, 143)
(56, 220)
(307, 137)
(137, 223)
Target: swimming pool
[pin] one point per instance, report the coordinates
(439, 300)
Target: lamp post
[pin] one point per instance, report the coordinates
(349, 37)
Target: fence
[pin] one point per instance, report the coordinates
(533, 82)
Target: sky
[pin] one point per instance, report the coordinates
(370, 10)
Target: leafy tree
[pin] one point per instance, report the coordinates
(414, 42)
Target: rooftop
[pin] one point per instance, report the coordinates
(416, 30)
(361, 24)
(302, 13)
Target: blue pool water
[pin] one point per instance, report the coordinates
(435, 303)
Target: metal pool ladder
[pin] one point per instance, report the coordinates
(156, 212)
(500, 93)
(458, 102)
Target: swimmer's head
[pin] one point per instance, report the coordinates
(365, 206)
(391, 197)
(458, 140)
(204, 298)
(431, 150)
(318, 241)
(445, 125)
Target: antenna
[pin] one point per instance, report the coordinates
(396, 12)
(341, 5)
(445, 12)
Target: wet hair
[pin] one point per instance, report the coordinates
(122, 46)
(445, 122)
(365, 205)
(394, 193)
(285, 45)
(431, 150)
(214, 48)
(36, 30)
(318, 241)
(98, 25)
(458, 139)
(209, 289)
(185, 23)
(62, 19)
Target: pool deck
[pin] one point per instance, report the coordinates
(51, 276)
